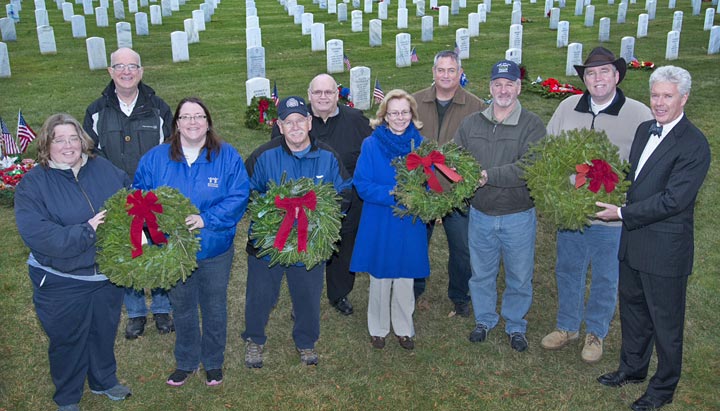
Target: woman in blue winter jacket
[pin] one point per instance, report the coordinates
(212, 175)
(393, 250)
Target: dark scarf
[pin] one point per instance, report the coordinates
(393, 145)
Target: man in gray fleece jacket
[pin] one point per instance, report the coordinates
(502, 214)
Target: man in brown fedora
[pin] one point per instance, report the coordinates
(602, 107)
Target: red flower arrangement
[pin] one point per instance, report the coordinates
(554, 86)
(11, 175)
(641, 65)
(344, 96)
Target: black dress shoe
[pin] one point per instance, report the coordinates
(343, 306)
(135, 327)
(618, 379)
(647, 402)
(164, 323)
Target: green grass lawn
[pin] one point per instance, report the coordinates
(445, 371)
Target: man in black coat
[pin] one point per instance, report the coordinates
(670, 158)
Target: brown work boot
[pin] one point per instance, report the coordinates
(593, 349)
(558, 339)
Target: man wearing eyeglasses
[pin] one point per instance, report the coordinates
(125, 122)
(342, 128)
(441, 108)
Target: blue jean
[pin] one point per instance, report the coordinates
(261, 295)
(135, 302)
(206, 290)
(598, 247)
(459, 271)
(512, 238)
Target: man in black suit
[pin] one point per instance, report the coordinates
(670, 158)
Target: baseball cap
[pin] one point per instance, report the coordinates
(290, 105)
(505, 69)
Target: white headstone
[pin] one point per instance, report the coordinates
(516, 34)
(589, 16)
(548, 6)
(175, 5)
(119, 10)
(563, 34)
(420, 8)
(323, 6)
(290, 7)
(402, 50)
(317, 37)
(78, 26)
(514, 55)
(101, 17)
(41, 18)
(342, 12)
(433, 4)
(516, 17)
(40, 5)
(207, 9)
(426, 31)
(12, 12)
(642, 29)
(257, 87)
(250, 11)
(709, 18)
(402, 4)
(627, 48)
(622, 13)
(357, 24)
(696, 4)
(574, 56)
(482, 12)
(180, 50)
(46, 40)
(88, 7)
(155, 15)
(356, 4)
(714, 43)
(4, 60)
(517, 6)
(488, 6)
(7, 28)
(141, 24)
(462, 39)
(652, 7)
(332, 7)
(67, 9)
(145, 3)
(307, 22)
(671, 4)
(554, 18)
(97, 57)
(360, 87)
(299, 11)
(455, 7)
(375, 33)
(579, 6)
(253, 37)
(677, 21)
(198, 17)
(402, 18)
(463, 4)
(383, 11)
(166, 9)
(124, 34)
(103, 3)
(255, 62)
(443, 16)
(368, 7)
(334, 53)
(672, 49)
(604, 32)
(132, 6)
(474, 24)
(192, 35)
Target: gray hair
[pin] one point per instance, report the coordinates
(447, 54)
(675, 75)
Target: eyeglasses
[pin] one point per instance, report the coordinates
(197, 117)
(121, 67)
(61, 142)
(327, 93)
(396, 114)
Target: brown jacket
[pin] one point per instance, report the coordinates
(463, 104)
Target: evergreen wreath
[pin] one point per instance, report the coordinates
(254, 121)
(158, 266)
(322, 219)
(414, 190)
(568, 173)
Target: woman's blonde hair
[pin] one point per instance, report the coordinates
(393, 94)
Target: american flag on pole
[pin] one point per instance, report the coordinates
(378, 92)
(274, 96)
(24, 133)
(413, 56)
(9, 145)
(346, 60)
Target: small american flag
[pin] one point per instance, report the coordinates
(9, 144)
(24, 133)
(413, 56)
(378, 93)
(463, 80)
(346, 60)
(274, 95)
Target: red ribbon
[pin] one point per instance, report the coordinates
(600, 174)
(437, 159)
(263, 107)
(143, 209)
(294, 211)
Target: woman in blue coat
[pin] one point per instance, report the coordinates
(393, 250)
(212, 175)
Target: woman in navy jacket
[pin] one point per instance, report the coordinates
(393, 250)
(57, 210)
(212, 175)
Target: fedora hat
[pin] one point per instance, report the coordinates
(600, 56)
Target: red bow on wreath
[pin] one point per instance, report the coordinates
(263, 106)
(143, 209)
(599, 174)
(294, 211)
(437, 159)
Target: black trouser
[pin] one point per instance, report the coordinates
(340, 280)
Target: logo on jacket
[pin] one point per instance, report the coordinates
(213, 182)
